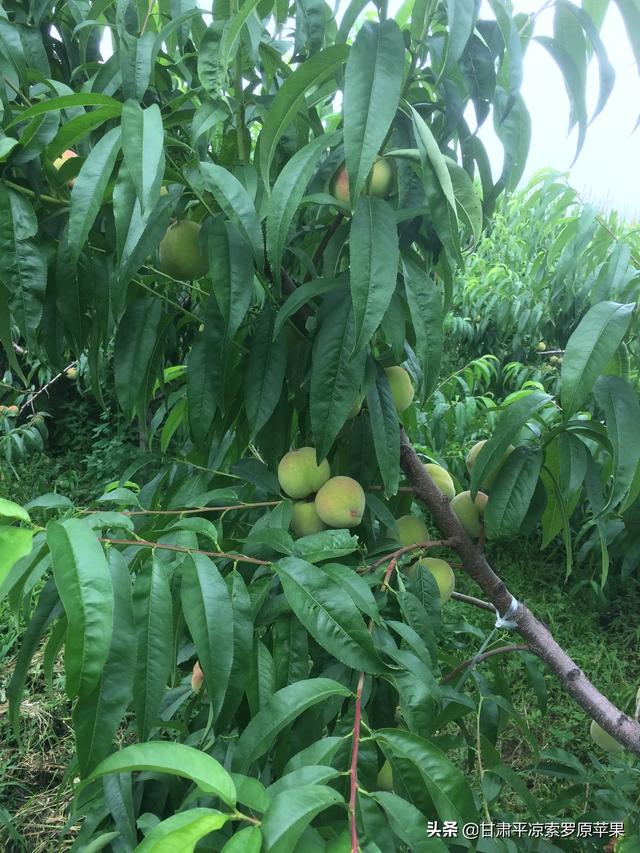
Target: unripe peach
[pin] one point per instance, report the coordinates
(411, 530)
(379, 182)
(401, 387)
(339, 186)
(180, 254)
(442, 478)
(197, 677)
(470, 511)
(473, 454)
(441, 571)
(305, 519)
(300, 475)
(380, 179)
(341, 502)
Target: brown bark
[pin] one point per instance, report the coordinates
(539, 639)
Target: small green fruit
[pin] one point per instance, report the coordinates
(469, 512)
(442, 478)
(411, 530)
(385, 777)
(441, 571)
(197, 677)
(339, 186)
(473, 454)
(379, 183)
(305, 519)
(341, 502)
(401, 387)
(180, 254)
(603, 739)
(380, 179)
(300, 475)
(553, 359)
(541, 346)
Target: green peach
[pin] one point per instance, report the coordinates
(180, 253)
(411, 530)
(341, 502)
(300, 475)
(441, 571)
(401, 387)
(380, 179)
(469, 512)
(339, 186)
(472, 455)
(442, 478)
(305, 519)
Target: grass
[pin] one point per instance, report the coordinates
(602, 636)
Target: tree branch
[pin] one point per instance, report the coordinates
(500, 650)
(144, 543)
(539, 639)
(470, 599)
(46, 387)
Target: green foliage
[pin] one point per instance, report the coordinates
(312, 649)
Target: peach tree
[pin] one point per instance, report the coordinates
(248, 223)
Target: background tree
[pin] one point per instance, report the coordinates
(256, 247)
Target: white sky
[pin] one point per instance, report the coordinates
(607, 170)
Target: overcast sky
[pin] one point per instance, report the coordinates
(607, 170)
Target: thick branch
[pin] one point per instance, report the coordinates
(539, 639)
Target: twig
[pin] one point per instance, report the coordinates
(322, 245)
(500, 650)
(190, 511)
(45, 387)
(144, 543)
(539, 639)
(357, 721)
(31, 194)
(289, 286)
(353, 770)
(470, 599)
(406, 549)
